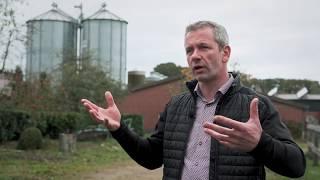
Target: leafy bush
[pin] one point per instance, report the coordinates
(296, 129)
(52, 124)
(134, 122)
(12, 123)
(31, 138)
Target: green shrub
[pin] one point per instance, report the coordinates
(296, 129)
(134, 122)
(52, 124)
(31, 138)
(12, 124)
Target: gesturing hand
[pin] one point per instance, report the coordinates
(237, 135)
(109, 116)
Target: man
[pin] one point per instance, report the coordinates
(218, 130)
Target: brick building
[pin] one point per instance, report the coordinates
(150, 99)
(290, 111)
(310, 101)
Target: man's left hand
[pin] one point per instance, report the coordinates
(237, 135)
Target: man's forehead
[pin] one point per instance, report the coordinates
(200, 35)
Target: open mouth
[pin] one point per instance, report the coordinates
(197, 68)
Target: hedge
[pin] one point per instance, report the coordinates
(12, 123)
(51, 124)
(134, 122)
(296, 129)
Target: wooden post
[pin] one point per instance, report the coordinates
(67, 143)
(313, 131)
(316, 158)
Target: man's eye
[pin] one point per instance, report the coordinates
(188, 51)
(204, 47)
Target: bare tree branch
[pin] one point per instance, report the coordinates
(6, 52)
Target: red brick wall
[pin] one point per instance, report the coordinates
(150, 102)
(290, 113)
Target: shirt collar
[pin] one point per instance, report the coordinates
(222, 90)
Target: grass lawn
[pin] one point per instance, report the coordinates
(49, 163)
(312, 172)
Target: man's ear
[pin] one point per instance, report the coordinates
(226, 53)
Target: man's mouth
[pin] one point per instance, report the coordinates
(197, 68)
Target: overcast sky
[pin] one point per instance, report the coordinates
(269, 39)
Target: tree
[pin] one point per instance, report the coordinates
(169, 69)
(62, 89)
(89, 81)
(290, 86)
(10, 30)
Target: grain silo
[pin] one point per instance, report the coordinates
(135, 79)
(51, 36)
(104, 36)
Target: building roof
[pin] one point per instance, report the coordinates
(179, 78)
(156, 83)
(103, 13)
(295, 97)
(55, 14)
(287, 102)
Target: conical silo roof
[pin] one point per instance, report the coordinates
(103, 13)
(54, 14)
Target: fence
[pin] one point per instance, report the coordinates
(313, 141)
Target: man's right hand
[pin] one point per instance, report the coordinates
(110, 116)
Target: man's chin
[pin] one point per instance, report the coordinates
(201, 78)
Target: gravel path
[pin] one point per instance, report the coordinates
(128, 171)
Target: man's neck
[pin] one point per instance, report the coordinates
(210, 88)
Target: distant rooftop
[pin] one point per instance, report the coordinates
(295, 97)
(155, 76)
(302, 94)
(157, 83)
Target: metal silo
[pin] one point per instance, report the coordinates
(51, 36)
(135, 79)
(104, 34)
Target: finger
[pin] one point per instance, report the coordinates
(228, 141)
(230, 123)
(89, 104)
(254, 112)
(94, 115)
(216, 135)
(235, 137)
(109, 99)
(219, 129)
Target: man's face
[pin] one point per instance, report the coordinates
(204, 57)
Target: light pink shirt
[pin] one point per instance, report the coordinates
(197, 158)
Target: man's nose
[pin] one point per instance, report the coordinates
(195, 55)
